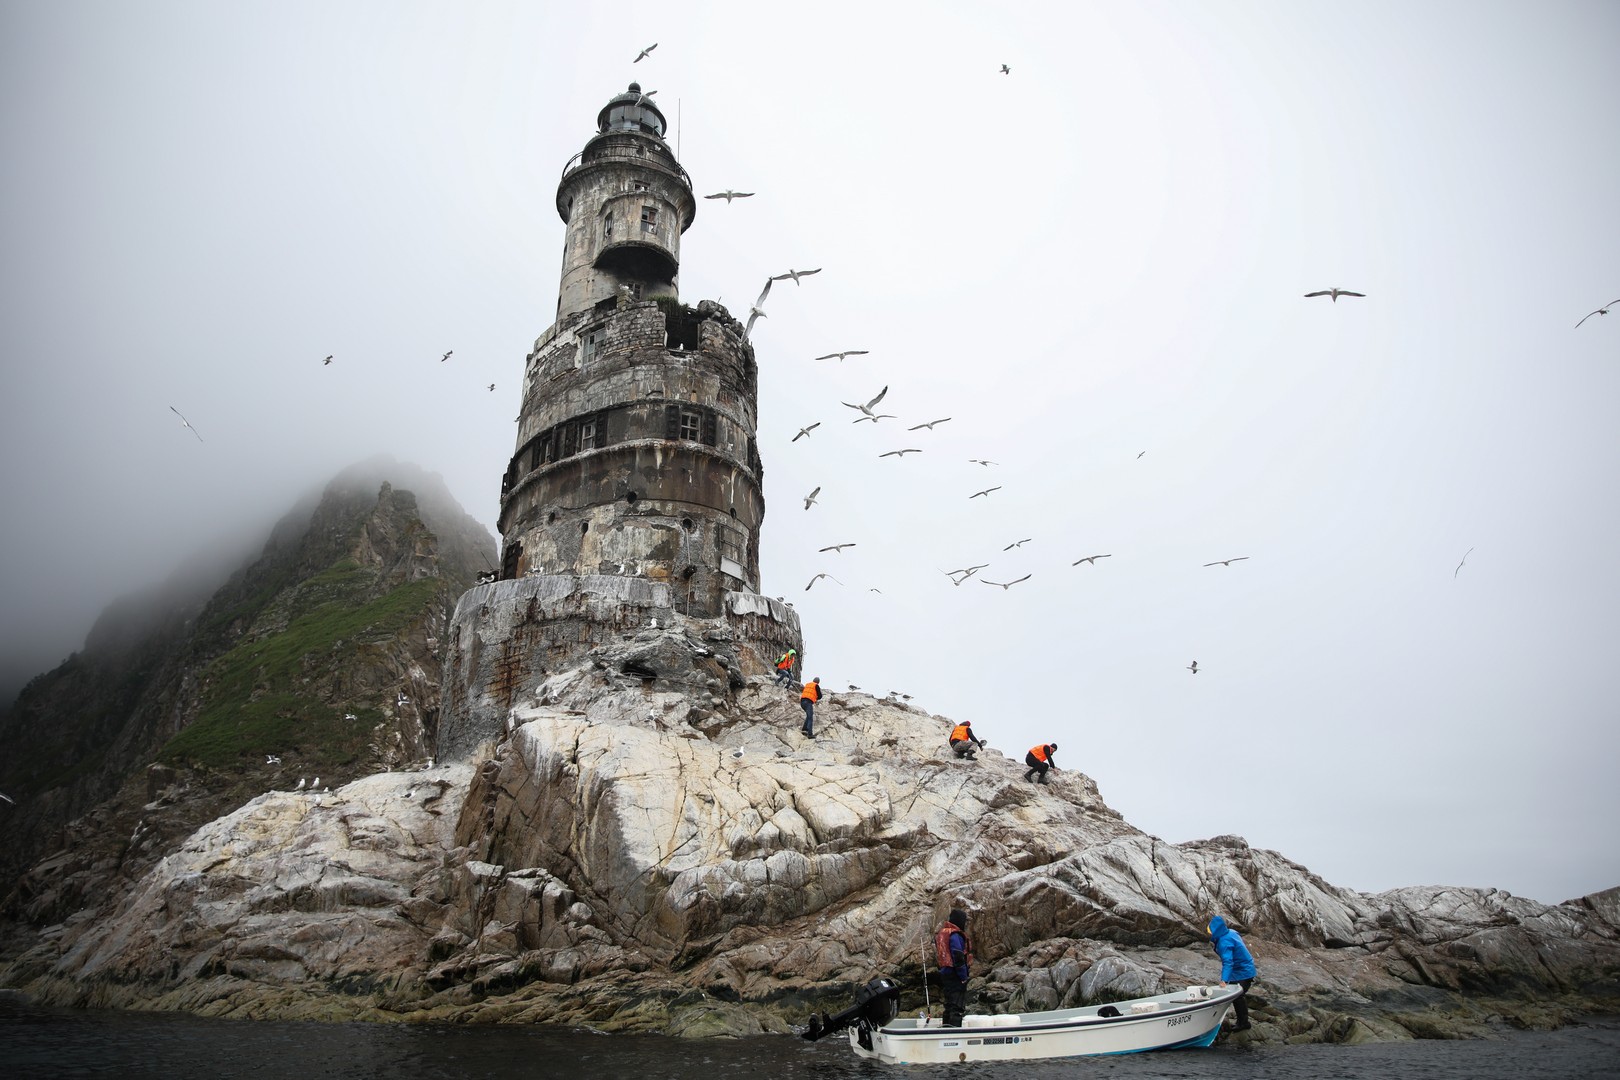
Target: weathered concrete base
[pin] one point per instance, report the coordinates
(507, 638)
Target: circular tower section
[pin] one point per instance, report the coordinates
(636, 453)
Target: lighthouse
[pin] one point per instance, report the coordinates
(633, 497)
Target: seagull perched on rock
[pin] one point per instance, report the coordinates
(839, 356)
(1092, 559)
(1004, 585)
(810, 498)
(818, 577)
(796, 275)
(186, 423)
(836, 547)
(1333, 294)
(1604, 310)
(929, 425)
(986, 491)
(315, 783)
(728, 195)
(805, 431)
(867, 408)
(900, 453)
(1226, 562)
(1018, 543)
(642, 55)
(300, 787)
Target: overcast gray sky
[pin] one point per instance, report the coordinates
(1093, 265)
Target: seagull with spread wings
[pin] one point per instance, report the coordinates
(728, 195)
(1467, 553)
(810, 498)
(328, 360)
(818, 577)
(805, 431)
(986, 491)
(980, 461)
(966, 573)
(874, 417)
(186, 423)
(1226, 562)
(867, 408)
(1005, 585)
(1193, 667)
(447, 356)
(1018, 543)
(1092, 559)
(836, 547)
(1333, 293)
(929, 425)
(643, 54)
(757, 312)
(1005, 70)
(899, 453)
(839, 356)
(795, 275)
(1604, 310)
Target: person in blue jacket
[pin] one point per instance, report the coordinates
(954, 954)
(1237, 966)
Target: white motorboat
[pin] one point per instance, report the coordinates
(1186, 1018)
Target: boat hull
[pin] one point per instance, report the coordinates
(1167, 1022)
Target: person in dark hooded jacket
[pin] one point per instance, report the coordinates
(1237, 966)
(954, 954)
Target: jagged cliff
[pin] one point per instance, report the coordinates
(321, 652)
(651, 844)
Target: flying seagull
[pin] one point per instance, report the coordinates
(492, 388)
(8, 798)
(1092, 559)
(986, 491)
(867, 408)
(818, 577)
(966, 573)
(446, 356)
(1018, 543)
(1139, 456)
(929, 425)
(804, 431)
(643, 54)
(1007, 584)
(898, 453)
(328, 360)
(1604, 310)
(810, 498)
(796, 275)
(186, 422)
(271, 759)
(980, 461)
(1333, 294)
(1005, 70)
(839, 356)
(1193, 667)
(874, 417)
(1226, 562)
(728, 195)
(641, 98)
(1467, 553)
(836, 547)
(758, 310)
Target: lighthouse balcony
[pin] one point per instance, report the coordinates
(638, 258)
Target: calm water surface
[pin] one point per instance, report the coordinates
(50, 1043)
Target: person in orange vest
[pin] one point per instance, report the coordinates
(953, 952)
(807, 700)
(1039, 759)
(963, 740)
(784, 667)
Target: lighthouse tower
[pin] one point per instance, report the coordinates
(634, 496)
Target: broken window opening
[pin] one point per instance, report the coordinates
(591, 344)
(587, 434)
(649, 219)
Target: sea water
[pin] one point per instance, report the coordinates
(49, 1043)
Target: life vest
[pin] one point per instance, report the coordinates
(786, 662)
(961, 733)
(811, 691)
(942, 945)
(1039, 752)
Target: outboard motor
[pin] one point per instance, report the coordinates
(876, 1004)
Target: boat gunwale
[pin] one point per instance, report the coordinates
(1039, 1026)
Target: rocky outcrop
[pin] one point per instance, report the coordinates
(631, 857)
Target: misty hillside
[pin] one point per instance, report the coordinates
(321, 651)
